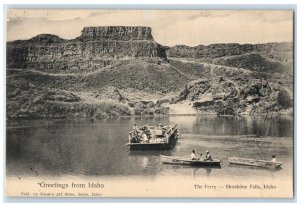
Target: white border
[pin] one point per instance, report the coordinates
(218, 4)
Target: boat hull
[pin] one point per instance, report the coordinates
(150, 146)
(189, 162)
(196, 164)
(254, 163)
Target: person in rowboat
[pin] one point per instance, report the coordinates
(200, 156)
(273, 159)
(208, 157)
(193, 156)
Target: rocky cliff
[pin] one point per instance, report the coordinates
(95, 48)
(116, 33)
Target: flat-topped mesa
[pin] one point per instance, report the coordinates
(124, 33)
(96, 47)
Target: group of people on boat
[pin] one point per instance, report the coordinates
(146, 135)
(208, 156)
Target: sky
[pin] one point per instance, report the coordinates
(169, 27)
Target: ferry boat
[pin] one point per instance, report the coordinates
(153, 137)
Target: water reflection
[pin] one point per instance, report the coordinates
(145, 162)
(242, 125)
(152, 152)
(208, 170)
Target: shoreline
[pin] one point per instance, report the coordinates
(154, 116)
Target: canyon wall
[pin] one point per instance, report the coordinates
(95, 48)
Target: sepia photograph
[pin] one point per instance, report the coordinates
(149, 103)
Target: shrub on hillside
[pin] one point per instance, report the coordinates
(284, 99)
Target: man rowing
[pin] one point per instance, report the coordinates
(193, 156)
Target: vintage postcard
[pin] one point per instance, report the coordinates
(149, 103)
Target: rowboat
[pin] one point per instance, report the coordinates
(188, 161)
(153, 138)
(254, 163)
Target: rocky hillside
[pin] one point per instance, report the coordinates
(280, 51)
(113, 71)
(231, 90)
(269, 58)
(126, 87)
(226, 97)
(230, 71)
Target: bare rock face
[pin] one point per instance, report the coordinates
(116, 33)
(95, 48)
(193, 90)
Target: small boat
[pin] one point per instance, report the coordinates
(254, 163)
(188, 161)
(153, 138)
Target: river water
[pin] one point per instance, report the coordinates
(98, 148)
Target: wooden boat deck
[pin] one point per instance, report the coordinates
(162, 139)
